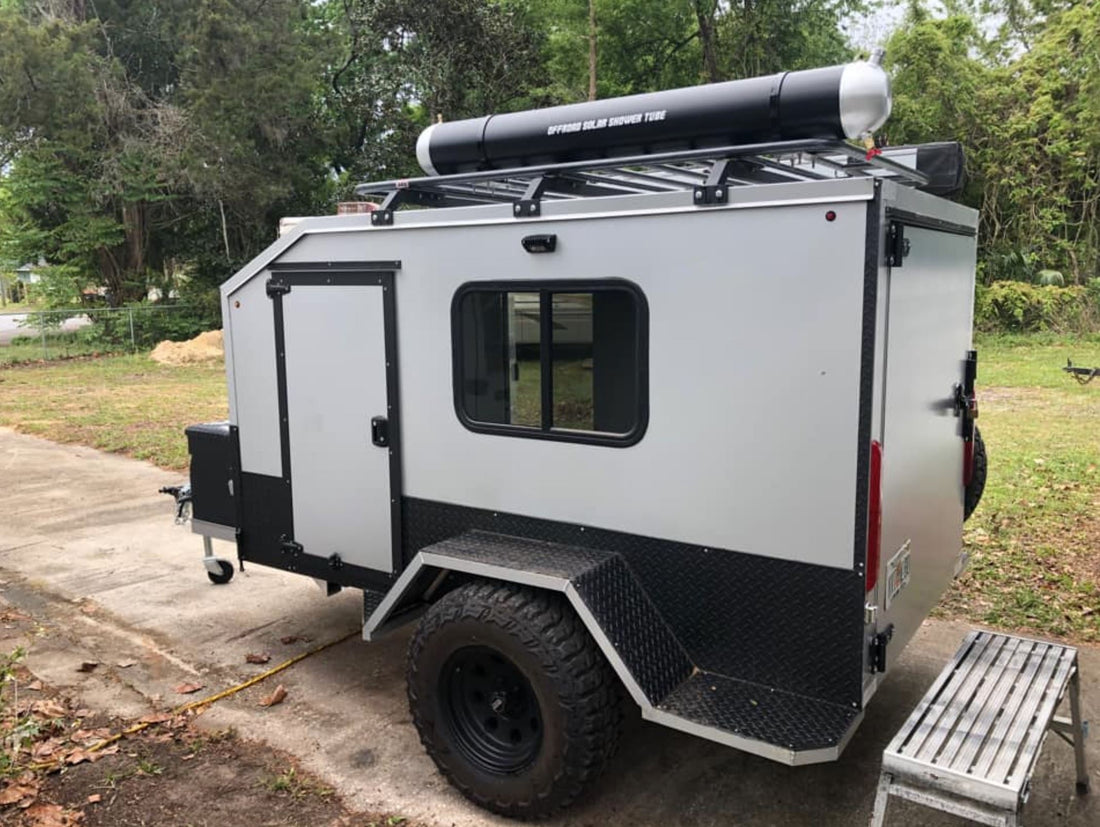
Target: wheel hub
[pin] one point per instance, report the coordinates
(493, 711)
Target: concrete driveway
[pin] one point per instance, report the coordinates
(88, 546)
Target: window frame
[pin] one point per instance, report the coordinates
(546, 288)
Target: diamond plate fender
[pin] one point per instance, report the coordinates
(639, 645)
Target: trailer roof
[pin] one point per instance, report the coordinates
(709, 172)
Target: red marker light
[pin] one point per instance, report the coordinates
(874, 517)
(830, 216)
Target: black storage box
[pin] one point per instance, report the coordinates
(214, 483)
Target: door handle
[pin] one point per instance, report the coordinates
(379, 431)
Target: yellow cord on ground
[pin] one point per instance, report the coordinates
(187, 707)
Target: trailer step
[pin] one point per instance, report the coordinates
(971, 745)
(788, 721)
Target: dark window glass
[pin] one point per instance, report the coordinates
(553, 363)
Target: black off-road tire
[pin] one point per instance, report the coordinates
(571, 694)
(973, 493)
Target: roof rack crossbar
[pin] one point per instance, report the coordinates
(703, 170)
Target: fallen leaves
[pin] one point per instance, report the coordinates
(44, 750)
(84, 736)
(289, 639)
(19, 792)
(276, 697)
(125, 664)
(254, 658)
(155, 718)
(79, 756)
(47, 709)
(87, 666)
(188, 688)
(34, 686)
(94, 798)
(51, 815)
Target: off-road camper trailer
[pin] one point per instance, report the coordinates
(671, 394)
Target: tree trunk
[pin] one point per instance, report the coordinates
(111, 274)
(704, 15)
(591, 50)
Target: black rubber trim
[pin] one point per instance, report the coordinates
(927, 222)
(871, 258)
(545, 287)
(365, 274)
(280, 383)
(393, 417)
(313, 268)
(546, 360)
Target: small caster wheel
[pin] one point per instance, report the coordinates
(225, 574)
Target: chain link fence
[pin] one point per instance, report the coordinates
(34, 335)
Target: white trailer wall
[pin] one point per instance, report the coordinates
(755, 336)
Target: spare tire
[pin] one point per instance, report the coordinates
(973, 492)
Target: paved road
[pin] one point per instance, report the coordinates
(11, 326)
(86, 543)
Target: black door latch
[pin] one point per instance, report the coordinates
(380, 431)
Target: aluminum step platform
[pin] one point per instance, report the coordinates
(970, 746)
(640, 646)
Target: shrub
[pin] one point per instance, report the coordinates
(1013, 306)
(110, 331)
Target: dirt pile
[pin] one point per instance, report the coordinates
(206, 347)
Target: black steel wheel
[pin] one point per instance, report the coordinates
(226, 573)
(972, 495)
(512, 698)
(493, 711)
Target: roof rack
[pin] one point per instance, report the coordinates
(708, 172)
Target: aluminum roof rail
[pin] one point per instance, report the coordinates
(707, 171)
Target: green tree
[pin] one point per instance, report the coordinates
(158, 138)
(1029, 119)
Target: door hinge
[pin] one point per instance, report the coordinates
(897, 245)
(288, 546)
(878, 648)
(277, 288)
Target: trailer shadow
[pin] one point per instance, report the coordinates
(659, 776)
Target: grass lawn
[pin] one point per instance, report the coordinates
(1034, 540)
(59, 345)
(127, 404)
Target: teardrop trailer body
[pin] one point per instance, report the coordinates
(667, 396)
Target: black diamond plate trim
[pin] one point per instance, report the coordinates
(520, 553)
(795, 626)
(635, 628)
(760, 712)
(371, 601)
(606, 585)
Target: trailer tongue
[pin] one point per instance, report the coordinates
(614, 409)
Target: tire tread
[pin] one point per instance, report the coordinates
(546, 626)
